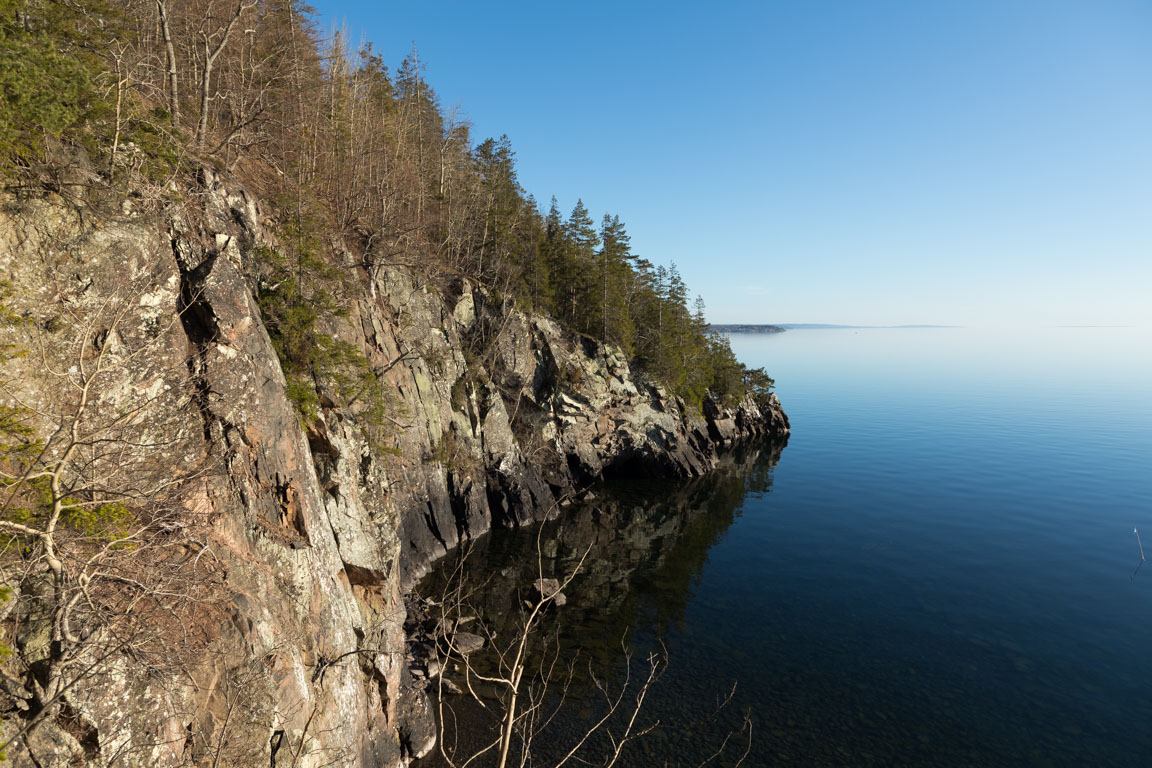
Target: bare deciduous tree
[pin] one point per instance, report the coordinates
(526, 688)
(531, 682)
(211, 44)
(101, 554)
(173, 82)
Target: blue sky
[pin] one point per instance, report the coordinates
(859, 161)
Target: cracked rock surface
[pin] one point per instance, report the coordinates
(315, 531)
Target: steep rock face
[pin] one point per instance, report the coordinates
(304, 574)
(313, 531)
(519, 419)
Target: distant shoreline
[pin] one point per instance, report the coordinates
(747, 328)
(821, 326)
(781, 327)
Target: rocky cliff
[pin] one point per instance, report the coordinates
(306, 533)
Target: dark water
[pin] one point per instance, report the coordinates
(938, 568)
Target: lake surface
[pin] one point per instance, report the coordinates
(939, 568)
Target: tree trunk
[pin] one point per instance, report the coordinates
(205, 97)
(170, 53)
(210, 56)
(604, 302)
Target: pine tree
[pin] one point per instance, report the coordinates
(48, 71)
(419, 133)
(496, 164)
(552, 255)
(699, 317)
(581, 232)
(616, 276)
(535, 263)
(582, 303)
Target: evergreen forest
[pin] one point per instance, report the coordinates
(347, 150)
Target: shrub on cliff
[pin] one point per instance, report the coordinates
(299, 306)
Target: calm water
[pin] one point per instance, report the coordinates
(938, 568)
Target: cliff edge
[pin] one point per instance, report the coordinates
(300, 534)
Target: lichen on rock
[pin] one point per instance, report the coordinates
(313, 529)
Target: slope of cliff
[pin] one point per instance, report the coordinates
(253, 615)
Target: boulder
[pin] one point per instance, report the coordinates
(465, 643)
(546, 589)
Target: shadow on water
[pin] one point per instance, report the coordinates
(644, 543)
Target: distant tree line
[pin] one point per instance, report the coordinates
(342, 146)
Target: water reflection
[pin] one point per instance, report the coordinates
(643, 545)
(645, 540)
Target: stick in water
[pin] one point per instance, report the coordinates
(1139, 544)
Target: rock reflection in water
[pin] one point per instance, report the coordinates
(646, 542)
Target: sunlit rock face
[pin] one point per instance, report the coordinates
(309, 533)
(532, 415)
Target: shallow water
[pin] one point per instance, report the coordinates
(939, 570)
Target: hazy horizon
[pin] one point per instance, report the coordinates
(817, 326)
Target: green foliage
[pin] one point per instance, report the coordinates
(452, 453)
(460, 394)
(303, 395)
(296, 297)
(616, 278)
(758, 384)
(293, 295)
(577, 273)
(17, 441)
(56, 80)
(442, 451)
(727, 372)
(49, 70)
(569, 377)
(157, 155)
(377, 160)
(105, 521)
(108, 521)
(31, 55)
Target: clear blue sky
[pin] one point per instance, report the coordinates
(878, 162)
